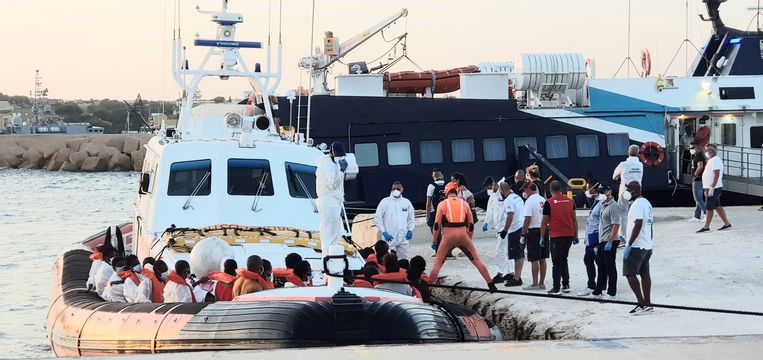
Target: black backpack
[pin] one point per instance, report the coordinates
(439, 195)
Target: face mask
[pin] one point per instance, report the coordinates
(601, 197)
(692, 151)
(165, 274)
(490, 192)
(589, 195)
(136, 268)
(627, 196)
(396, 193)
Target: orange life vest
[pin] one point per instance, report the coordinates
(157, 287)
(372, 259)
(454, 212)
(224, 287)
(96, 256)
(362, 283)
(400, 276)
(174, 277)
(124, 275)
(253, 276)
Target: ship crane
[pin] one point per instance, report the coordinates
(319, 63)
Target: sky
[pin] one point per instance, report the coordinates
(118, 48)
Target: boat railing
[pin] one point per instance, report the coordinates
(742, 162)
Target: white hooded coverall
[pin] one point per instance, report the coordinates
(102, 278)
(329, 186)
(396, 216)
(495, 217)
(174, 292)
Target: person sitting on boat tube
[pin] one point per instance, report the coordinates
(177, 289)
(224, 279)
(115, 286)
(329, 186)
(302, 277)
(152, 289)
(280, 274)
(102, 256)
(132, 277)
(395, 220)
(250, 279)
(454, 216)
(393, 276)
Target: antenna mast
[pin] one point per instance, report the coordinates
(628, 61)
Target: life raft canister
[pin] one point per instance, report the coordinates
(651, 154)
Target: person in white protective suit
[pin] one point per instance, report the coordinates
(395, 219)
(495, 217)
(329, 186)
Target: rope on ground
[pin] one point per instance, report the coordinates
(576, 298)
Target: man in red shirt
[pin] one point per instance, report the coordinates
(559, 219)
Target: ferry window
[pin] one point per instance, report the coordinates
(462, 150)
(367, 154)
(186, 176)
(249, 177)
(556, 147)
(729, 134)
(301, 180)
(756, 137)
(617, 144)
(588, 145)
(399, 153)
(494, 149)
(431, 152)
(525, 140)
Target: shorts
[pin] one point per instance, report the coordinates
(516, 248)
(713, 202)
(637, 262)
(534, 251)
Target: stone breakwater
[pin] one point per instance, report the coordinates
(74, 153)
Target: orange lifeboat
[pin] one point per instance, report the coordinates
(417, 82)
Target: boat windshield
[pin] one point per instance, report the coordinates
(249, 177)
(187, 176)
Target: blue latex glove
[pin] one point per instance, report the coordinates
(484, 227)
(542, 242)
(387, 236)
(627, 252)
(343, 165)
(435, 246)
(409, 235)
(575, 241)
(608, 246)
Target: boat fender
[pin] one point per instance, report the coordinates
(651, 154)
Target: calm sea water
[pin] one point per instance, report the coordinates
(41, 214)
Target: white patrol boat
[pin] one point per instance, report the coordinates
(229, 181)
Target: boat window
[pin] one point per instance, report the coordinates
(399, 153)
(588, 145)
(756, 137)
(462, 150)
(367, 154)
(556, 147)
(301, 180)
(729, 134)
(249, 177)
(494, 149)
(430, 152)
(617, 144)
(525, 140)
(186, 176)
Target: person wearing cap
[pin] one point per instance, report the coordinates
(609, 239)
(698, 161)
(454, 217)
(329, 186)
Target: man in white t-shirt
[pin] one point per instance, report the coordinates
(712, 185)
(513, 206)
(536, 252)
(639, 249)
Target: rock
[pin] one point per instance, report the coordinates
(94, 164)
(76, 144)
(68, 166)
(120, 162)
(48, 149)
(116, 142)
(137, 159)
(12, 157)
(109, 152)
(58, 159)
(32, 159)
(131, 144)
(94, 148)
(77, 158)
